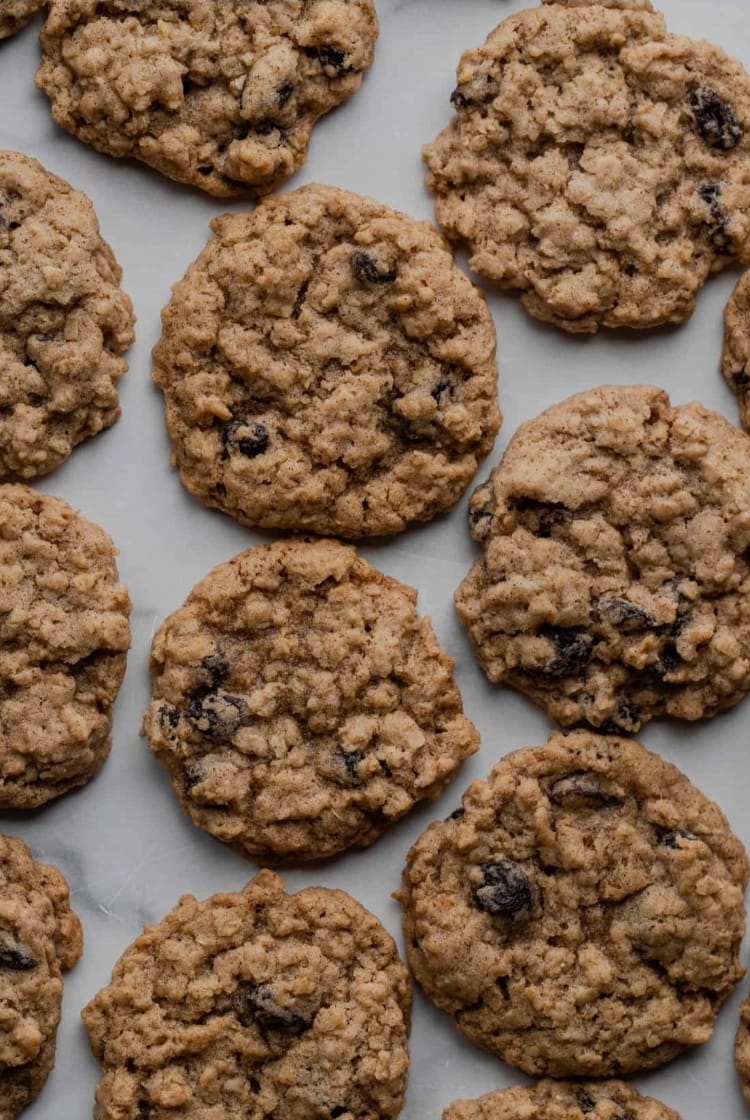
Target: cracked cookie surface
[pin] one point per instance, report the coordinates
(64, 635)
(64, 320)
(614, 584)
(596, 164)
(300, 704)
(558, 1100)
(581, 914)
(256, 1004)
(15, 14)
(735, 357)
(326, 367)
(40, 937)
(223, 96)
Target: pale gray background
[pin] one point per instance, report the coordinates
(123, 842)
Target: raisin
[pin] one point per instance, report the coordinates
(250, 438)
(672, 839)
(444, 385)
(669, 659)
(505, 888)
(16, 958)
(586, 1103)
(255, 1004)
(368, 271)
(348, 764)
(385, 768)
(479, 520)
(573, 651)
(579, 791)
(328, 56)
(459, 100)
(626, 718)
(169, 717)
(710, 193)
(339, 1110)
(217, 715)
(741, 379)
(145, 1110)
(456, 815)
(621, 612)
(284, 92)
(192, 775)
(217, 667)
(714, 118)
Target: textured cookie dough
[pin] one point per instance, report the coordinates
(560, 1100)
(300, 704)
(15, 14)
(259, 1005)
(223, 96)
(735, 358)
(64, 321)
(614, 583)
(742, 1049)
(40, 937)
(597, 164)
(63, 639)
(581, 914)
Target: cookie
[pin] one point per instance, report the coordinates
(64, 321)
(300, 704)
(40, 937)
(735, 357)
(596, 164)
(581, 914)
(560, 1100)
(221, 96)
(255, 1004)
(63, 639)
(15, 14)
(614, 583)
(326, 367)
(742, 1049)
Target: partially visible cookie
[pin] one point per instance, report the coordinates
(561, 1100)
(223, 96)
(742, 1049)
(581, 914)
(40, 937)
(614, 580)
(596, 164)
(255, 1004)
(15, 14)
(64, 635)
(735, 357)
(64, 320)
(300, 704)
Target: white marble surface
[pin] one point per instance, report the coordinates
(123, 842)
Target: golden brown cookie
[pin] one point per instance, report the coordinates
(562, 1100)
(15, 14)
(300, 704)
(735, 357)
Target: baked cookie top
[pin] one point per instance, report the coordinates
(735, 356)
(40, 936)
(15, 14)
(64, 321)
(597, 164)
(581, 914)
(63, 639)
(221, 96)
(300, 704)
(326, 367)
(614, 582)
(255, 1004)
(561, 1100)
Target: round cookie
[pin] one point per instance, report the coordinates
(223, 96)
(255, 1004)
(15, 14)
(735, 357)
(614, 583)
(581, 914)
(63, 639)
(40, 937)
(64, 321)
(596, 164)
(560, 1100)
(327, 367)
(300, 704)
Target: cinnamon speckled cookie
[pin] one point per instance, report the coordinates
(40, 937)
(614, 580)
(255, 1004)
(64, 320)
(223, 96)
(735, 357)
(64, 635)
(15, 14)
(326, 367)
(581, 913)
(561, 1100)
(300, 704)
(597, 164)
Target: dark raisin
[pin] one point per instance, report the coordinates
(254, 1084)
(217, 666)
(255, 1004)
(573, 651)
(714, 118)
(385, 768)
(456, 815)
(262, 128)
(169, 717)
(348, 763)
(459, 100)
(16, 958)
(586, 1103)
(444, 385)
(476, 516)
(250, 438)
(217, 715)
(329, 56)
(669, 659)
(339, 1110)
(672, 839)
(621, 612)
(145, 1110)
(626, 718)
(284, 92)
(711, 195)
(192, 775)
(579, 791)
(741, 379)
(505, 888)
(369, 271)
